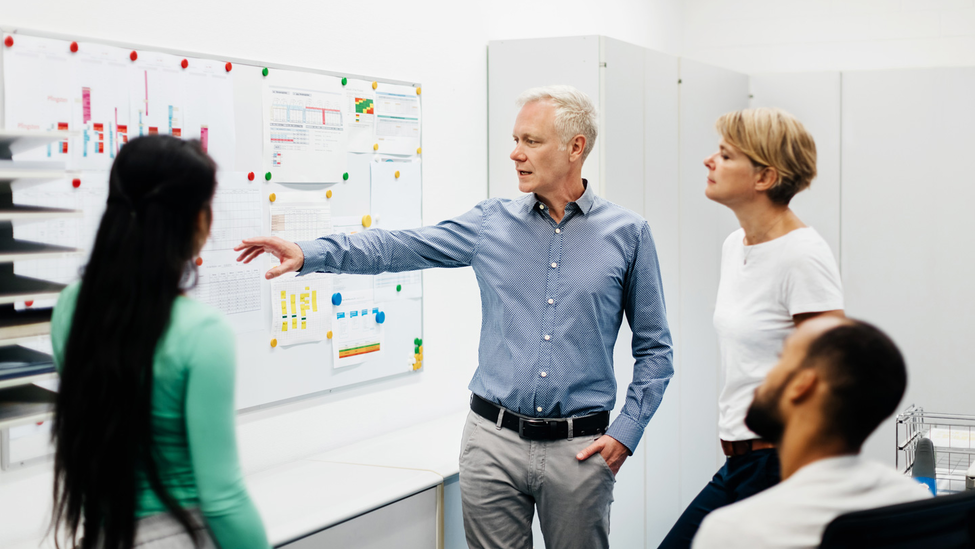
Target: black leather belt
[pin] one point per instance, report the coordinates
(541, 428)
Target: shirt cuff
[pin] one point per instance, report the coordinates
(314, 256)
(627, 431)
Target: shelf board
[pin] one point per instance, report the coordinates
(10, 175)
(19, 250)
(14, 289)
(25, 404)
(20, 326)
(18, 141)
(35, 213)
(26, 380)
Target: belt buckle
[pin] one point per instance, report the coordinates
(532, 422)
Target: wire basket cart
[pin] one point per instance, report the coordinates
(953, 436)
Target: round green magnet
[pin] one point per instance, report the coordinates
(345, 176)
(345, 81)
(419, 341)
(416, 349)
(399, 287)
(264, 71)
(416, 341)
(267, 176)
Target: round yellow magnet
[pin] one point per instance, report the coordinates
(375, 147)
(375, 85)
(366, 221)
(274, 343)
(396, 175)
(418, 150)
(328, 193)
(418, 90)
(272, 197)
(329, 334)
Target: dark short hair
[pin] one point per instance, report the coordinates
(866, 376)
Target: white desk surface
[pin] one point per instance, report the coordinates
(431, 446)
(305, 497)
(294, 499)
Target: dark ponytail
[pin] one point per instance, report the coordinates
(140, 261)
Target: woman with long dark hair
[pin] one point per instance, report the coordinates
(144, 425)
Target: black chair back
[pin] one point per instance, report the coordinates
(945, 522)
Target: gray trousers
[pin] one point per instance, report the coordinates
(504, 477)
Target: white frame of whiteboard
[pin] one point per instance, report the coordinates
(252, 63)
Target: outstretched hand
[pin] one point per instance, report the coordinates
(612, 450)
(288, 253)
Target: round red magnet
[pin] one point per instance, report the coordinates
(74, 47)
(76, 182)
(199, 261)
(133, 56)
(8, 41)
(184, 63)
(228, 66)
(250, 176)
(28, 303)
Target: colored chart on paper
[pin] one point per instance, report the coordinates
(364, 106)
(298, 314)
(358, 337)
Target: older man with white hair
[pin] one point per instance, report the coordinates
(557, 268)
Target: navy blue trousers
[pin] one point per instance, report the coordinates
(741, 477)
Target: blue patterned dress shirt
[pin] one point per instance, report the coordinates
(553, 296)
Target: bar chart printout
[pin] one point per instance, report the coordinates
(300, 309)
(304, 130)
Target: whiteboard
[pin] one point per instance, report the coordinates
(265, 374)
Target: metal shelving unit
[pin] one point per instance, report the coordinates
(21, 401)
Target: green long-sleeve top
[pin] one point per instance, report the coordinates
(193, 420)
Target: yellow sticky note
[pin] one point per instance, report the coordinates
(314, 301)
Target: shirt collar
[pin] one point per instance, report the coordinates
(584, 202)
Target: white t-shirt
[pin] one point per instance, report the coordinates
(795, 512)
(761, 287)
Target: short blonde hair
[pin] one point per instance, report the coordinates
(773, 138)
(575, 113)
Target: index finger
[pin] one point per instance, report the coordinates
(249, 242)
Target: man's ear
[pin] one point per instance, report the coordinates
(802, 385)
(767, 179)
(577, 146)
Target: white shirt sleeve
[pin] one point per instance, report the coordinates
(721, 532)
(813, 283)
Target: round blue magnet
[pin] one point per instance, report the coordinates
(336, 299)
(381, 317)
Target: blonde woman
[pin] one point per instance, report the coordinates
(775, 274)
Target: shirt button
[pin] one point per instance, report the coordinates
(539, 408)
(551, 301)
(544, 374)
(558, 231)
(554, 265)
(541, 206)
(547, 337)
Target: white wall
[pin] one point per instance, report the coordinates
(817, 35)
(654, 24)
(908, 229)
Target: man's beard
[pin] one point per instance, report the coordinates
(763, 416)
